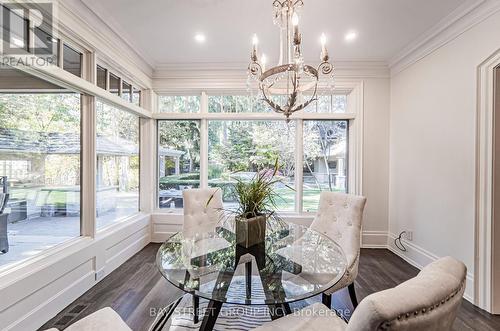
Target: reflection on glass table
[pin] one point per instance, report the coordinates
(294, 263)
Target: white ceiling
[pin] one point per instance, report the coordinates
(162, 31)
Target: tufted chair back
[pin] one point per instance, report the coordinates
(200, 218)
(429, 301)
(339, 217)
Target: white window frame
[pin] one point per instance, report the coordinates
(354, 114)
(89, 91)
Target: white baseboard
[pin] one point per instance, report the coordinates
(374, 239)
(420, 257)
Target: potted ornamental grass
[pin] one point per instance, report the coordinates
(257, 200)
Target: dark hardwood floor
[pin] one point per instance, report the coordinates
(136, 290)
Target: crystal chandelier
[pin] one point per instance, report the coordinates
(291, 85)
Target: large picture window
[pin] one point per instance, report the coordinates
(325, 160)
(40, 163)
(117, 177)
(44, 134)
(227, 138)
(240, 149)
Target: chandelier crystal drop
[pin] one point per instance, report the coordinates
(291, 85)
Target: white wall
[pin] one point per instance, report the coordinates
(376, 161)
(432, 148)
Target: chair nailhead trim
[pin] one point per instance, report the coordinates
(424, 310)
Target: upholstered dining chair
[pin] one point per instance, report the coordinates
(339, 217)
(202, 213)
(105, 319)
(429, 302)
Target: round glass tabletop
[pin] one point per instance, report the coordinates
(293, 263)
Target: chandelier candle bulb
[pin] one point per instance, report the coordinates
(255, 43)
(255, 40)
(263, 60)
(296, 34)
(324, 51)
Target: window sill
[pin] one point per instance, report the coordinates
(120, 223)
(13, 272)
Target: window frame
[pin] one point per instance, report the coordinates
(110, 75)
(110, 70)
(354, 115)
(86, 86)
(62, 48)
(106, 76)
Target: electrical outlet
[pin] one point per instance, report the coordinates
(100, 274)
(409, 235)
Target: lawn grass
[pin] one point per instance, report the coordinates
(54, 197)
(310, 199)
(286, 202)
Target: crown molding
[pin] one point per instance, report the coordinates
(453, 25)
(173, 77)
(82, 24)
(214, 69)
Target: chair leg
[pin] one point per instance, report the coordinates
(326, 299)
(352, 294)
(196, 307)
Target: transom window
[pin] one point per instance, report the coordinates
(179, 104)
(235, 104)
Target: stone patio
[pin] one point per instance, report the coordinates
(29, 237)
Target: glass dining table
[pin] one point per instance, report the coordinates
(293, 263)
